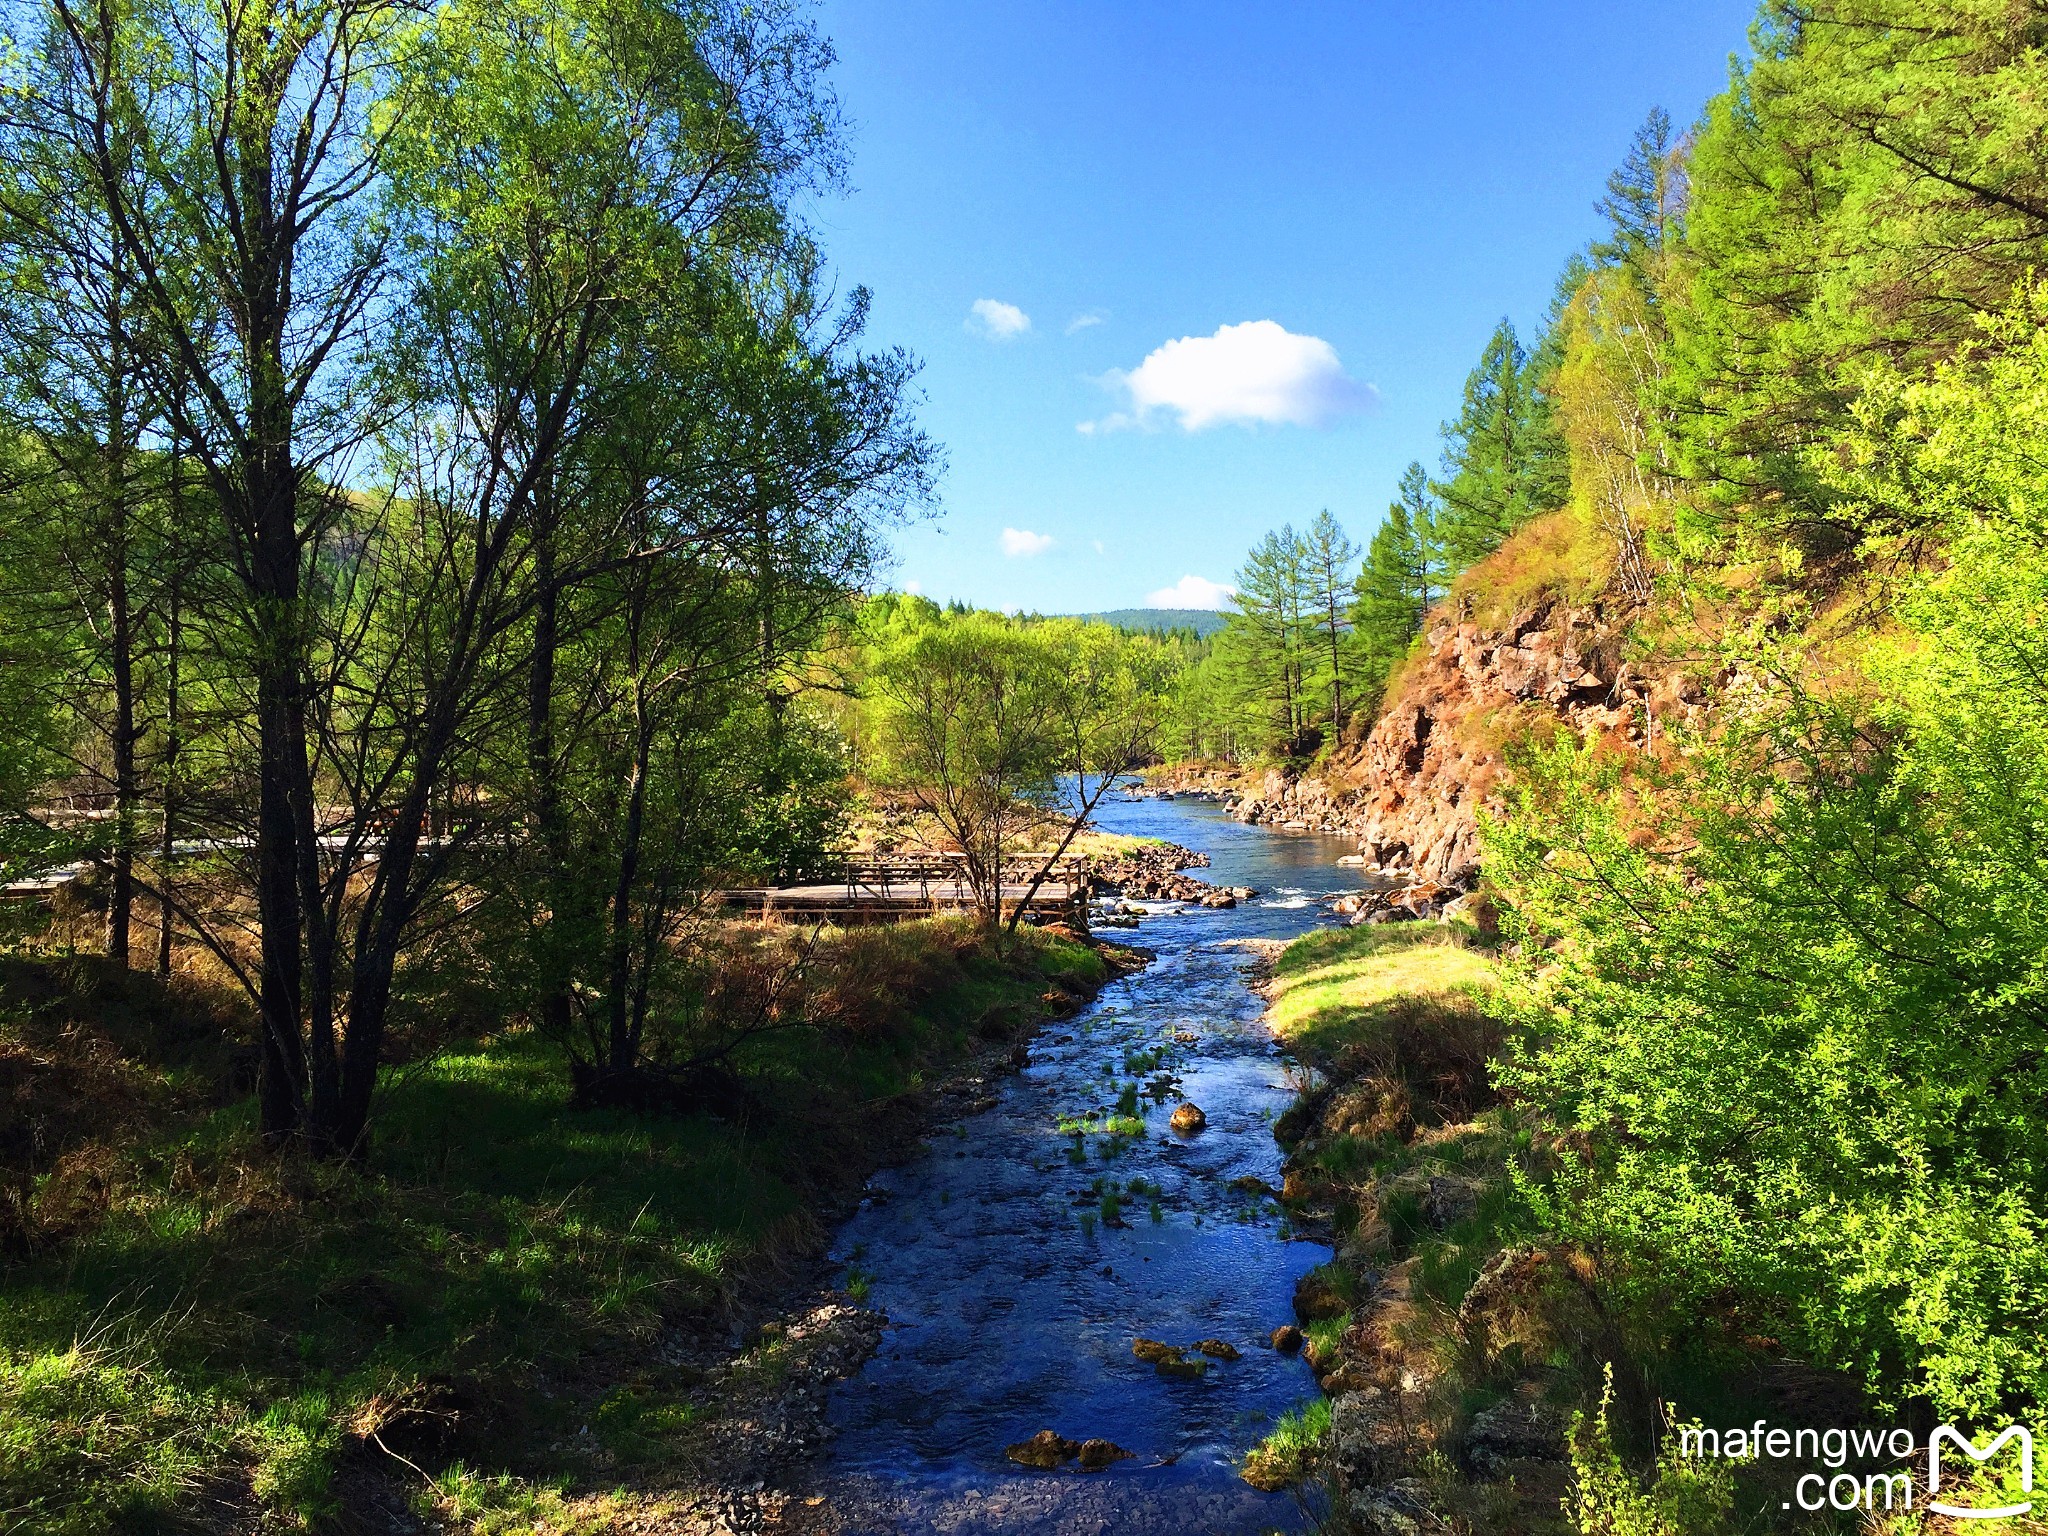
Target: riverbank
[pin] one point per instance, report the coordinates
(1399, 1153)
(519, 1316)
(1479, 1371)
(1317, 802)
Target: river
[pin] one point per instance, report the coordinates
(1013, 1304)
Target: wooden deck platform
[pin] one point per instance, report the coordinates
(885, 890)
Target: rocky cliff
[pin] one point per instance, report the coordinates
(1413, 790)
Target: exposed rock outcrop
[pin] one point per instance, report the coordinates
(1411, 791)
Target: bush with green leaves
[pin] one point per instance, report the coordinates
(1682, 1496)
(1795, 991)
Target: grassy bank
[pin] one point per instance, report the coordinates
(1480, 1371)
(499, 1310)
(1401, 1152)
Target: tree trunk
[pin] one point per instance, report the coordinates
(280, 915)
(1336, 673)
(167, 847)
(120, 633)
(620, 1053)
(551, 825)
(296, 1084)
(121, 637)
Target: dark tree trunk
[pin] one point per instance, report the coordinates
(120, 634)
(281, 746)
(551, 824)
(621, 1047)
(167, 846)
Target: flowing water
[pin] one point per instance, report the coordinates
(1013, 1303)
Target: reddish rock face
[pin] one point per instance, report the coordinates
(1412, 790)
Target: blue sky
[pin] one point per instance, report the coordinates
(1334, 202)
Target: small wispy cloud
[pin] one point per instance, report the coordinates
(1081, 322)
(914, 588)
(1256, 373)
(996, 320)
(1022, 543)
(1192, 592)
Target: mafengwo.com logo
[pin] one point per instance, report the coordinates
(1951, 1456)
(1952, 1437)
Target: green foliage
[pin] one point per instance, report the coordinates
(1869, 185)
(1284, 672)
(135, 1444)
(1290, 1451)
(987, 723)
(1503, 462)
(1683, 1496)
(1406, 570)
(1797, 995)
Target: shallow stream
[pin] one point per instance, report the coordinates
(1013, 1292)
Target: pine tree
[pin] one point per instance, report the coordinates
(1404, 573)
(1330, 554)
(1503, 462)
(1645, 202)
(1262, 648)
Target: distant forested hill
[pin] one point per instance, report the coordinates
(1203, 621)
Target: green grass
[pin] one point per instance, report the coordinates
(1332, 985)
(1289, 1453)
(228, 1321)
(1325, 1335)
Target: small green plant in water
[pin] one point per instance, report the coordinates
(1288, 1454)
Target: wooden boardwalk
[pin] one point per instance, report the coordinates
(891, 888)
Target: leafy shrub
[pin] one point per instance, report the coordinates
(1683, 1496)
(1789, 1018)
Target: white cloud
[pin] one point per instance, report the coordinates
(1022, 543)
(996, 320)
(1083, 321)
(1192, 592)
(1257, 372)
(913, 587)
(1098, 546)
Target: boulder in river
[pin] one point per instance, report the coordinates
(1286, 1338)
(1097, 1454)
(1183, 1368)
(1045, 1450)
(1151, 1351)
(1216, 1349)
(1315, 1298)
(1189, 1119)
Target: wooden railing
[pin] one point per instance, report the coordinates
(928, 874)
